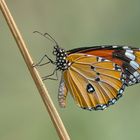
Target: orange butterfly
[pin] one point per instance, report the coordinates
(95, 76)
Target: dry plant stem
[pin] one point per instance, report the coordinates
(63, 135)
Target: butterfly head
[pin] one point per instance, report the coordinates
(61, 61)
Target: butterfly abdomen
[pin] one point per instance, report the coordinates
(62, 93)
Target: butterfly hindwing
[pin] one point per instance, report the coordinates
(93, 81)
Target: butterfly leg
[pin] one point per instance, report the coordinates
(49, 76)
(39, 63)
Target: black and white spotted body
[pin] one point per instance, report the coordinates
(61, 62)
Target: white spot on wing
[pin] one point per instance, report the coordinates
(134, 64)
(114, 47)
(126, 47)
(130, 55)
(129, 51)
(136, 74)
(121, 91)
(99, 59)
(88, 55)
(131, 76)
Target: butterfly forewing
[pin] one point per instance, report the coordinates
(128, 58)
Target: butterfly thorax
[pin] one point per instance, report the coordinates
(61, 62)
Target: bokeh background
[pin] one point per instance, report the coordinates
(74, 23)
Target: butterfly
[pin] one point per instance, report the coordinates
(95, 76)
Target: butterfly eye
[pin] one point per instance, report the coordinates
(90, 88)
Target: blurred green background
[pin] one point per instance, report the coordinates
(73, 23)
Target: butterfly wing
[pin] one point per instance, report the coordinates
(93, 81)
(128, 58)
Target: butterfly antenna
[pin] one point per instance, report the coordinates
(48, 36)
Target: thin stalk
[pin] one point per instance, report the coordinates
(59, 126)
